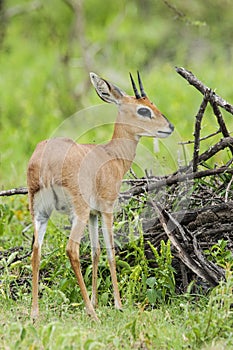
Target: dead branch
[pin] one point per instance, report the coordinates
(192, 79)
(201, 139)
(149, 185)
(219, 117)
(14, 191)
(215, 271)
(223, 143)
(178, 13)
(197, 131)
(196, 231)
(209, 95)
(228, 189)
(219, 146)
(172, 229)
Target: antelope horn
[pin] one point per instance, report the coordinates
(143, 94)
(137, 95)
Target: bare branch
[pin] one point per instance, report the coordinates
(219, 117)
(14, 191)
(171, 226)
(197, 130)
(201, 139)
(190, 77)
(149, 185)
(179, 14)
(228, 189)
(223, 143)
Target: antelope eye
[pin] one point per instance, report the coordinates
(144, 112)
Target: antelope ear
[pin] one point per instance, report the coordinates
(106, 91)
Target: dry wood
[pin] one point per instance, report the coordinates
(173, 228)
(190, 77)
(14, 191)
(148, 185)
(219, 117)
(223, 143)
(197, 131)
(191, 232)
(201, 139)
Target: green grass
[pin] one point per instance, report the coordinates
(74, 330)
(150, 320)
(179, 325)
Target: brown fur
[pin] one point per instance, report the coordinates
(88, 177)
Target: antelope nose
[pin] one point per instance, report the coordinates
(171, 126)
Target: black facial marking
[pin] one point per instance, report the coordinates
(144, 112)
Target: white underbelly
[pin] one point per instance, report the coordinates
(53, 198)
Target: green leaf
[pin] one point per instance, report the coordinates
(151, 281)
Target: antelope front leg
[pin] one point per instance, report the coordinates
(107, 223)
(72, 250)
(73, 253)
(95, 249)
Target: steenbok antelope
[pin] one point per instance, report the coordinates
(83, 181)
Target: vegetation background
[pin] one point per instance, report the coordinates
(47, 50)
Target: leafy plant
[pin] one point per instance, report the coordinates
(134, 269)
(219, 254)
(162, 282)
(139, 281)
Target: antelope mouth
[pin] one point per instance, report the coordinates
(165, 133)
(162, 134)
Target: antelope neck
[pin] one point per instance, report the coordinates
(122, 146)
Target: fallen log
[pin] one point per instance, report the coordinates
(192, 232)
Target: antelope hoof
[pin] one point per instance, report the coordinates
(118, 306)
(92, 314)
(34, 315)
(94, 302)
